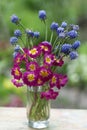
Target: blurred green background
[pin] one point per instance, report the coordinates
(72, 11)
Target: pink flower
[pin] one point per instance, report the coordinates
(53, 94)
(34, 52)
(17, 83)
(50, 94)
(54, 80)
(16, 72)
(39, 82)
(45, 95)
(45, 74)
(25, 55)
(21, 57)
(62, 80)
(30, 78)
(45, 47)
(18, 59)
(58, 80)
(48, 59)
(58, 62)
(32, 66)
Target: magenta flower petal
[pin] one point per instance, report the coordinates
(34, 52)
(16, 72)
(39, 82)
(50, 94)
(32, 66)
(54, 80)
(45, 47)
(45, 95)
(17, 83)
(48, 59)
(18, 59)
(62, 80)
(53, 94)
(45, 74)
(58, 62)
(30, 78)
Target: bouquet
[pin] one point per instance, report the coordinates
(37, 64)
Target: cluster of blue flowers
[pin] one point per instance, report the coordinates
(66, 35)
(66, 42)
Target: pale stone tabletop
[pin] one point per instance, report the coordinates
(60, 119)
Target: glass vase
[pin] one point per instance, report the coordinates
(38, 110)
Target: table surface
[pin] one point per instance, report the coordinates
(60, 119)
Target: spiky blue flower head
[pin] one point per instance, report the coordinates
(60, 29)
(30, 33)
(66, 48)
(14, 19)
(62, 35)
(15, 54)
(13, 40)
(42, 14)
(74, 27)
(54, 26)
(17, 33)
(64, 24)
(17, 48)
(36, 34)
(76, 44)
(73, 55)
(72, 34)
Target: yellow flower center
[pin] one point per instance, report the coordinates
(44, 73)
(30, 77)
(25, 55)
(57, 61)
(32, 67)
(48, 60)
(18, 60)
(53, 79)
(17, 72)
(39, 81)
(33, 51)
(44, 47)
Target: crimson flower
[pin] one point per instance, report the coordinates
(16, 72)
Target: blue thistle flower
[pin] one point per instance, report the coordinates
(13, 40)
(66, 48)
(73, 55)
(14, 19)
(76, 44)
(72, 34)
(74, 27)
(54, 26)
(17, 48)
(42, 14)
(30, 33)
(17, 33)
(36, 34)
(60, 29)
(15, 54)
(64, 24)
(62, 35)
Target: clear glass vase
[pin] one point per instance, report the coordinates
(38, 110)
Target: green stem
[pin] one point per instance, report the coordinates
(51, 37)
(22, 26)
(55, 42)
(22, 41)
(46, 32)
(39, 109)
